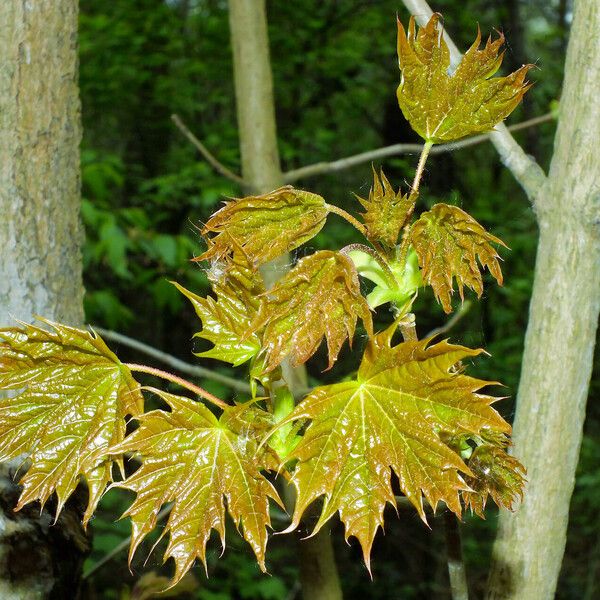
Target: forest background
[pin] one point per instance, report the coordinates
(145, 188)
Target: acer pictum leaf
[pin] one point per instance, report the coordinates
(197, 462)
(448, 243)
(74, 397)
(443, 106)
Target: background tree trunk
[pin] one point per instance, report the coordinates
(262, 172)
(560, 338)
(40, 262)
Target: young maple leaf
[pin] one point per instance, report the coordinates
(386, 211)
(319, 298)
(226, 319)
(196, 461)
(496, 474)
(265, 227)
(443, 106)
(448, 243)
(72, 407)
(394, 417)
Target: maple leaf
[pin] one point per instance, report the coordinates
(265, 227)
(496, 474)
(394, 417)
(319, 298)
(72, 407)
(226, 319)
(448, 243)
(196, 461)
(386, 211)
(442, 107)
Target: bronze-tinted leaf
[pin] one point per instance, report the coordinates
(448, 243)
(226, 318)
(442, 107)
(386, 211)
(496, 474)
(394, 417)
(265, 227)
(319, 298)
(197, 462)
(76, 395)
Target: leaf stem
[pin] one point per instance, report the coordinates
(348, 217)
(420, 167)
(179, 381)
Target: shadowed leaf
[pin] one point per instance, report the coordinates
(265, 227)
(386, 211)
(198, 462)
(443, 107)
(319, 298)
(76, 395)
(394, 417)
(448, 243)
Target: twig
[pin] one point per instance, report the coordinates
(172, 361)
(348, 162)
(456, 566)
(456, 317)
(524, 168)
(210, 159)
(120, 547)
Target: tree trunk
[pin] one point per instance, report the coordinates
(560, 337)
(40, 263)
(262, 172)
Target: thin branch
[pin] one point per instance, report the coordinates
(456, 566)
(524, 168)
(456, 317)
(172, 361)
(210, 159)
(348, 162)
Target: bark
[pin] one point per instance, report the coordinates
(262, 173)
(560, 337)
(40, 263)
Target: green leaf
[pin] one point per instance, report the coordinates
(448, 243)
(197, 462)
(76, 395)
(443, 107)
(265, 227)
(386, 211)
(319, 298)
(406, 400)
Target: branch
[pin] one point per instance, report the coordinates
(525, 169)
(341, 164)
(456, 567)
(210, 159)
(172, 361)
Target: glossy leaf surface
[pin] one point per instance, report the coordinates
(387, 211)
(205, 466)
(448, 243)
(265, 227)
(497, 475)
(76, 395)
(395, 417)
(319, 298)
(442, 107)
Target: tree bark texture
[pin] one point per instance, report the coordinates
(560, 337)
(262, 172)
(40, 262)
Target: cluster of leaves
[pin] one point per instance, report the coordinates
(410, 422)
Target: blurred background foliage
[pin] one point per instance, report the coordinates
(146, 190)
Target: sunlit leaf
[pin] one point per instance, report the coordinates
(443, 106)
(496, 474)
(206, 467)
(449, 242)
(386, 211)
(264, 227)
(406, 400)
(76, 395)
(319, 298)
